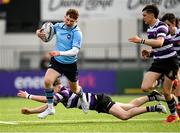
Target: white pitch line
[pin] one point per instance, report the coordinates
(92, 132)
(73, 121)
(8, 122)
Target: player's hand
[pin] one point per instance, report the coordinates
(22, 94)
(145, 53)
(41, 34)
(25, 111)
(135, 39)
(54, 53)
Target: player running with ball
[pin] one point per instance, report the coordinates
(64, 59)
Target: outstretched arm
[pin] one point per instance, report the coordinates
(28, 111)
(37, 98)
(149, 42)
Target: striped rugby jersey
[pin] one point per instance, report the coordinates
(175, 40)
(72, 100)
(160, 29)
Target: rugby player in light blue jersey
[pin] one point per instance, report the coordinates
(64, 59)
(165, 58)
(97, 102)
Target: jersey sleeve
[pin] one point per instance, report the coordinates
(77, 39)
(176, 39)
(162, 31)
(57, 98)
(178, 32)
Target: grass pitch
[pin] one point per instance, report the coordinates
(74, 120)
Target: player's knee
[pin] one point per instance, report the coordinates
(124, 117)
(48, 83)
(145, 88)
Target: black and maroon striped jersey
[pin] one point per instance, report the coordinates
(72, 100)
(160, 29)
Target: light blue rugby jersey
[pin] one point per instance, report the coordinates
(66, 39)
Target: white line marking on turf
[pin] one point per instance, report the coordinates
(73, 121)
(92, 132)
(8, 122)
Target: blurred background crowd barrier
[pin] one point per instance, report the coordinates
(115, 66)
(92, 80)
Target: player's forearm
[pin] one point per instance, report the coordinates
(153, 42)
(37, 98)
(39, 109)
(28, 111)
(72, 52)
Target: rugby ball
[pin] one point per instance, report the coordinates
(49, 31)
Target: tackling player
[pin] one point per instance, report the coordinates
(98, 102)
